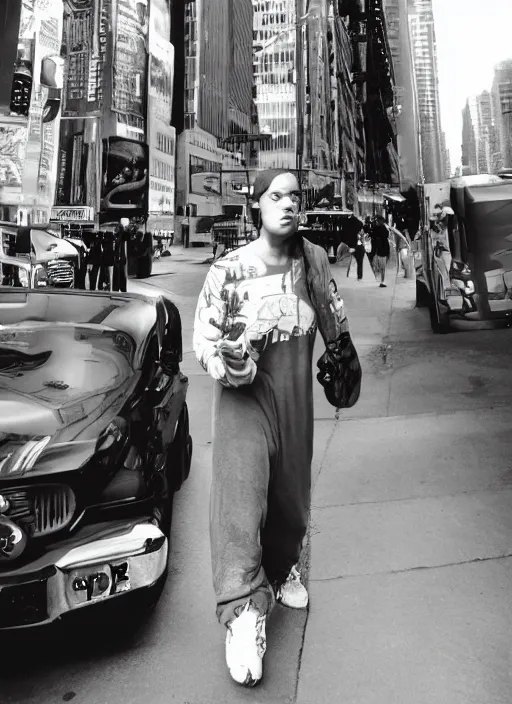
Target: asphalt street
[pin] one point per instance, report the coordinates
(417, 476)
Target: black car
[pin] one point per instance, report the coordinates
(94, 441)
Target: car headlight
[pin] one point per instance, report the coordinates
(24, 278)
(40, 277)
(113, 435)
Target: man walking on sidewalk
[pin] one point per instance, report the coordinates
(380, 239)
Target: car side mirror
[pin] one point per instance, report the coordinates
(23, 243)
(172, 345)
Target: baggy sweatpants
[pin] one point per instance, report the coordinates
(261, 480)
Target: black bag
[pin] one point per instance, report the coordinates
(340, 372)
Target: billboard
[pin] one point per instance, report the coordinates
(84, 43)
(205, 177)
(78, 162)
(161, 135)
(13, 143)
(40, 160)
(160, 19)
(161, 75)
(129, 67)
(125, 180)
(10, 12)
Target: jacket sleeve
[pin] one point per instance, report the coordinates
(330, 310)
(210, 326)
(210, 317)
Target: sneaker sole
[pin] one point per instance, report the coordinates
(290, 606)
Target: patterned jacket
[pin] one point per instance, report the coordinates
(218, 301)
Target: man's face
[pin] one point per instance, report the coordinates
(279, 206)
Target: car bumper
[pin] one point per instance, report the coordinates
(95, 567)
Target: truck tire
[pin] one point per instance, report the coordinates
(144, 266)
(422, 295)
(440, 324)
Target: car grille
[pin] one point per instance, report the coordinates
(41, 510)
(60, 273)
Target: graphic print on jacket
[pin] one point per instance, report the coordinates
(246, 301)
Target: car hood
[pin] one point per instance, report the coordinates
(61, 384)
(48, 247)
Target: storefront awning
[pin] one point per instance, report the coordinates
(160, 222)
(376, 198)
(395, 197)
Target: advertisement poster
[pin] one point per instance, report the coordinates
(125, 179)
(40, 159)
(161, 74)
(13, 143)
(205, 177)
(129, 69)
(160, 19)
(98, 55)
(78, 163)
(85, 38)
(71, 187)
(77, 33)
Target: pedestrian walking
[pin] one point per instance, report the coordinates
(254, 333)
(380, 241)
(359, 254)
(403, 248)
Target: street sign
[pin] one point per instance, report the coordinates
(76, 213)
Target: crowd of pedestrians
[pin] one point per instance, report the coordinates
(375, 240)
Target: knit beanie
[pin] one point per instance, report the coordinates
(263, 181)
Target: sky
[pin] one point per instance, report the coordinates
(472, 36)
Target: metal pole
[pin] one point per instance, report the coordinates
(299, 71)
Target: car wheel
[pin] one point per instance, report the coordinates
(145, 266)
(179, 457)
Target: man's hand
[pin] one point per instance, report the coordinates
(240, 369)
(232, 352)
(216, 368)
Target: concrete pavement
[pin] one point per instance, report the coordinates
(411, 525)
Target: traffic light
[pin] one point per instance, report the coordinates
(21, 88)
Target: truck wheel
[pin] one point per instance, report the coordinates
(440, 324)
(144, 266)
(422, 295)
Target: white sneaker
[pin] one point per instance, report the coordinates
(245, 646)
(293, 593)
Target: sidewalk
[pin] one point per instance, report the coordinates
(411, 526)
(189, 255)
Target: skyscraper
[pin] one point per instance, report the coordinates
(161, 135)
(275, 75)
(241, 102)
(213, 100)
(407, 111)
(502, 104)
(294, 60)
(469, 152)
(481, 152)
(446, 156)
(421, 19)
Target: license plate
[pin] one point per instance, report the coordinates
(99, 582)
